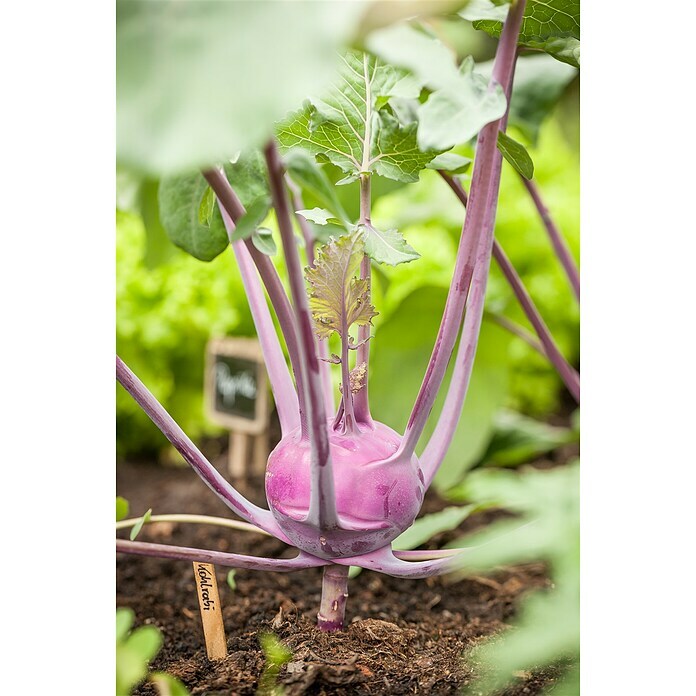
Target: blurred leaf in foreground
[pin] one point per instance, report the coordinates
(134, 650)
(518, 439)
(276, 655)
(546, 630)
(460, 103)
(184, 102)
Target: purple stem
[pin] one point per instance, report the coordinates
(477, 224)
(284, 393)
(514, 328)
(322, 506)
(384, 561)
(567, 373)
(348, 420)
(436, 449)
(306, 230)
(559, 244)
(425, 554)
(310, 242)
(233, 560)
(334, 594)
(230, 202)
(361, 402)
(210, 475)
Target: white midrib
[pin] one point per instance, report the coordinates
(368, 117)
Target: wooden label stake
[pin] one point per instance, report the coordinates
(211, 611)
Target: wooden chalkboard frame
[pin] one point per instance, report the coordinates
(247, 349)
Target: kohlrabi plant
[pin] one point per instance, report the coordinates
(342, 487)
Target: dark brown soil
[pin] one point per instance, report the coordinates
(403, 636)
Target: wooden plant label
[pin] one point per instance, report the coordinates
(211, 611)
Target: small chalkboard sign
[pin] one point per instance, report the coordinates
(237, 385)
(237, 398)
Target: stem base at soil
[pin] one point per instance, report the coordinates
(334, 594)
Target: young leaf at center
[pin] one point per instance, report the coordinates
(339, 299)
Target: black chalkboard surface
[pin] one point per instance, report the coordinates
(236, 385)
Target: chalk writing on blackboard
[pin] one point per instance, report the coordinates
(236, 385)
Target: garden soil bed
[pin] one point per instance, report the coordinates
(403, 636)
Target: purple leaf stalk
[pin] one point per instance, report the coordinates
(341, 486)
(548, 346)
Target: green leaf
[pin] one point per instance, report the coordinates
(352, 127)
(399, 356)
(479, 10)
(182, 198)
(167, 685)
(460, 104)
(550, 25)
(232, 583)
(183, 100)
(433, 63)
(124, 621)
(139, 524)
(547, 625)
(456, 112)
(518, 439)
(274, 651)
(256, 213)
(145, 641)
(539, 83)
(516, 154)
(305, 172)
(476, 10)
(262, 239)
(450, 162)
(130, 669)
(133, 651)
(318, 215)
(206, 208)
(426, 527)
(388, 247)
(547, 499)
(121, 508)
(158, 248)
(338, 299)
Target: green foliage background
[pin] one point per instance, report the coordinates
(165, 316)
(167, 311)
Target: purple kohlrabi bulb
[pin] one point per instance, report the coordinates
(377, 497)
